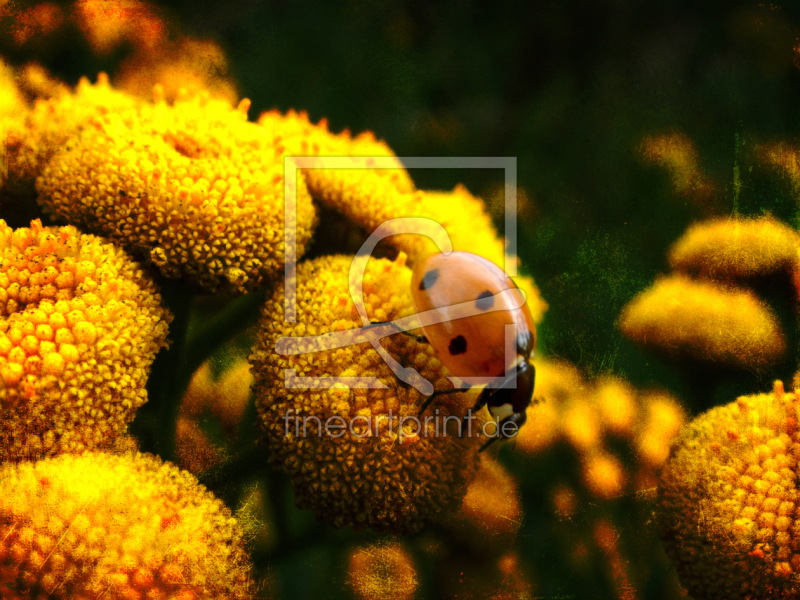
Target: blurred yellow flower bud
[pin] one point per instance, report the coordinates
(735, 249)
(681, 317)
(382, 572)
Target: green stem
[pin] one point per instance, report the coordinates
(227, 324)
(165, 389)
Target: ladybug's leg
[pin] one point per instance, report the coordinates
(420, 338)
(482, 400)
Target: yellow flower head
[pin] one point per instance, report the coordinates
(491, 513)
(188, 64)
(680, 316)
(225, 400)
(297, 136)
(11, 100)
(194, 451)
(356, 455)
(107, 24)
(728, 500)
(36, 82)
(51, 122)
(193, 187)
(663, 418)
(382, 572)
(80, 324)
(616, 402)
(735, 249)
(36, 22)
(604, 474)
(12, 109)
(678, 155)
(115, 527)
(785, 158)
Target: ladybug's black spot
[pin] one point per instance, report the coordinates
(429, 279)
(485, 300)
(458, 345)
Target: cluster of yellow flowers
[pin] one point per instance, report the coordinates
(704, 311)
(164, 168)
(589, 416)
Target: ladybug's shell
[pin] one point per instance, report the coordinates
(473, 346)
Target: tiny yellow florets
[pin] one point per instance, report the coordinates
(382, 572)
(680, 316)
(736, 249)
(194, 187)
(80, 324)
(50, 123)
(728, 498)
(377, 471)
(297, 136)
(117, 527)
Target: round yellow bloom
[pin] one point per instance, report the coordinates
(12, 110)
(187, 64)
(80, 324)
(36, 82)
(617, 405)
(118, 528)
(36, 22)
(382, 572)
(728, 500)
(297, 136)
(231, 394)
(678, 155)
(356, 456)
(736, 248)
(194, 451)
(51, 122)
(784, 157)
(193, 187)
(491, 514)
(680, 316)
(107, 24)
(604, 474)
(11, 100)
(664, 418)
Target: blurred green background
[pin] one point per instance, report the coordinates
(571, 89)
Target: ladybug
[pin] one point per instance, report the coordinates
(477, 346)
